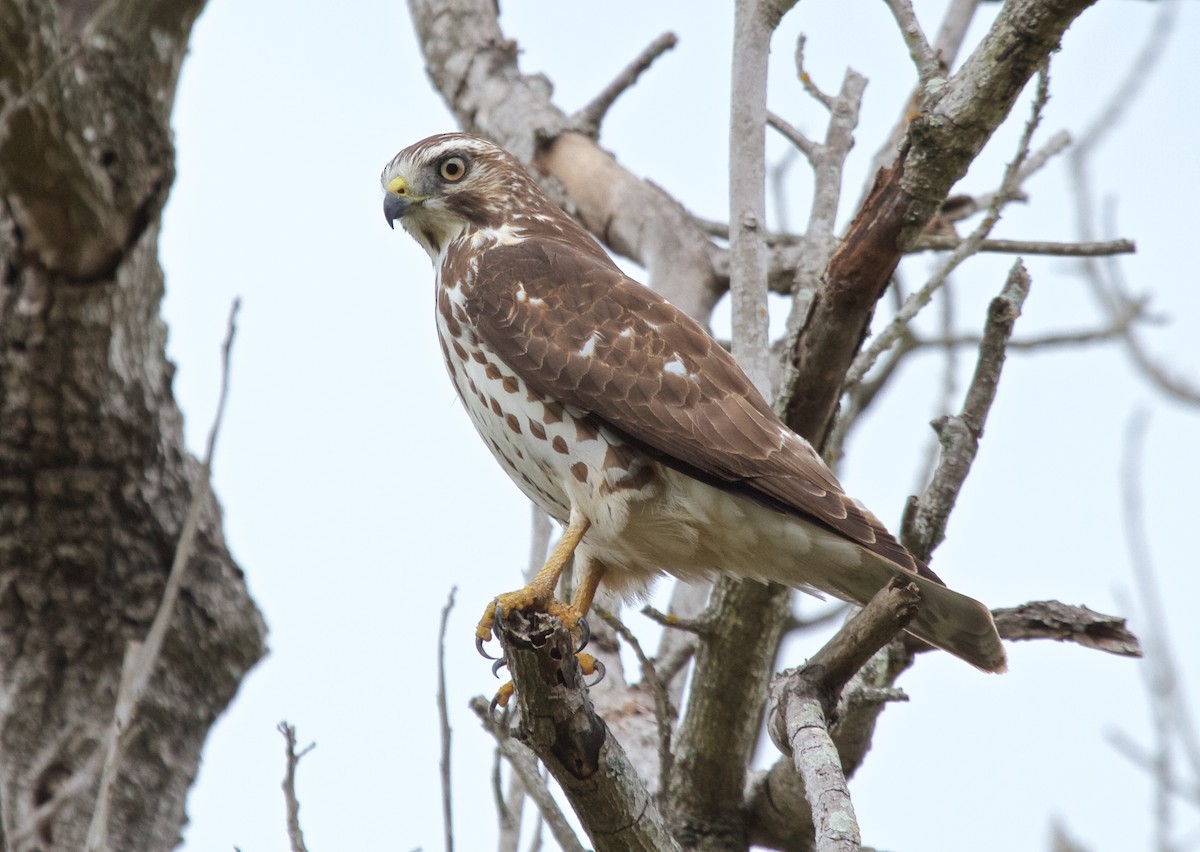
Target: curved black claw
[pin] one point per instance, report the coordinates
(495, 702)
(600, 672)
(585, 635)
(499, 664)
(483, 653)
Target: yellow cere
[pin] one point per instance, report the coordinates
(398, 185)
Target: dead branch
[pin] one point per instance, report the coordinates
(809, 84)
(1065, 623)
(295, 834)
(1104, 248)
(588, 120)
(1174, 729)
(1108, 290)
(792, 134)
(754, 22)
(141, 657)
(665, 713)
(924, 524)
(444, 724)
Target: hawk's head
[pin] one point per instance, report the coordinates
(447, 185)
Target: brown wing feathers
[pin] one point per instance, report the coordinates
(580, 331)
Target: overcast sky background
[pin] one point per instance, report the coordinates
(356, 492)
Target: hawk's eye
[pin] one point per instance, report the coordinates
(452, 169)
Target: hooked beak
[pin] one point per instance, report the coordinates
(394, 207)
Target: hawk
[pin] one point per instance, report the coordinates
(619, 416)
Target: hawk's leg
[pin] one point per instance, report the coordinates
(538, 596)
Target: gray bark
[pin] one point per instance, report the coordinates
(95, 480)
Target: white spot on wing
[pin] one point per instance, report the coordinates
(675, 367)
(589, 346)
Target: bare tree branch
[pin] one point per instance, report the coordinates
(721, 722)
(805, 145)
(295, 834)
(923, 56)
(444, 725)
(664, 711)
(754, 22)
(933, 242)
(924, 524)
(1109, 293)
(587, 120)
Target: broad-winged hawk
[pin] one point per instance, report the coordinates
(617, 414)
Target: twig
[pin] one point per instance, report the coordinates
(700, 626)
(1172, 718)
(803, 701)
(588, 119)
(933, 242)
(444, 724)
(140, 657)
(922, 55)
(792, 134)
(813, 253)
(1135, 754)
(525, 767)
(924, 524)
(295, 834)
(805, 80)
(664, 711)
(509, 808)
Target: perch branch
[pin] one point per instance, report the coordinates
(557, 721)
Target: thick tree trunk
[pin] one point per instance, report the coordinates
(94, 478)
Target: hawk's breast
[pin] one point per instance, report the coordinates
(557, 455)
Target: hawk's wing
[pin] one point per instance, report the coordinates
(577, 329)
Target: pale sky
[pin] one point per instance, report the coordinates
(356, 492)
